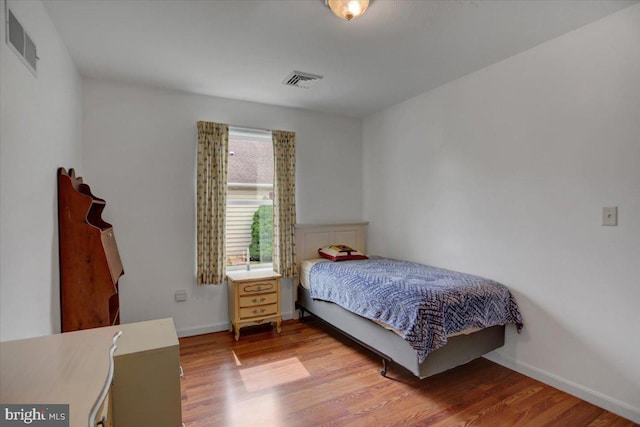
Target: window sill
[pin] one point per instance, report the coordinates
(256, 267)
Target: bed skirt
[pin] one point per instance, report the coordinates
(459, 349)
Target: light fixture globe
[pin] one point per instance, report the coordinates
(348, 9)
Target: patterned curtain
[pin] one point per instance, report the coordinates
(213, 148)
(284, 202)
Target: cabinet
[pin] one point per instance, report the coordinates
(90, 264)
(254, 298)
(146, 380)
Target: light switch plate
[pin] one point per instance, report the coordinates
(610, 215)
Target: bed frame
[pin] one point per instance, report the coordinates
(388, 345)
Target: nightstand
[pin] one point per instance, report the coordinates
(254, 298)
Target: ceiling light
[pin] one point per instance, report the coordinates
(347, 9)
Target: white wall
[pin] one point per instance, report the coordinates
(139, 155)
(40, 131)
(504, 173)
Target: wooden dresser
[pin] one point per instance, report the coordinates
(254, 298)
(134, 381)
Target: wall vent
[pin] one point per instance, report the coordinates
(18, 39)
(300, 79)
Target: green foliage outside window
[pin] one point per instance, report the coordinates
(262, 235)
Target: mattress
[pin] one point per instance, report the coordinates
(305, 269)
(305, 282)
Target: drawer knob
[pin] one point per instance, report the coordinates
(262, 310)
(255, 300)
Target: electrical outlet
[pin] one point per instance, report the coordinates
(610, 215)
(181, 295)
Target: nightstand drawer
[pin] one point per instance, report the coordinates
(264, 299)
(257, 287)
(263, 310)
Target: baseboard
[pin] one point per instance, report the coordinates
(213, 327)
(200, 330)
(607, 402)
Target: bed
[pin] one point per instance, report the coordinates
(386, 342)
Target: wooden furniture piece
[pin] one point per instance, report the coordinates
(146, 380)
(90, 264)
(254, 297)
(387, 344)
(74, 369)
(135, 384)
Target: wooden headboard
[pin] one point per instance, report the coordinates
(311, 237)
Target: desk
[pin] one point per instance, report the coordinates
(74, 368)
(83, 368)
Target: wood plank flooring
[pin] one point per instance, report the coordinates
(309, 375)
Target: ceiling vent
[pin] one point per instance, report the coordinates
(300, 79)
(21, 43)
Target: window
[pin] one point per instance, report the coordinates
(249, 217)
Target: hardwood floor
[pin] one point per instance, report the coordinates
(309, 375)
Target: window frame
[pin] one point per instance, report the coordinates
(257, 135)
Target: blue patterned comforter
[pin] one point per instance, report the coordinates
(425, 304)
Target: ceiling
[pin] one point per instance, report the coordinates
(243, 49)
